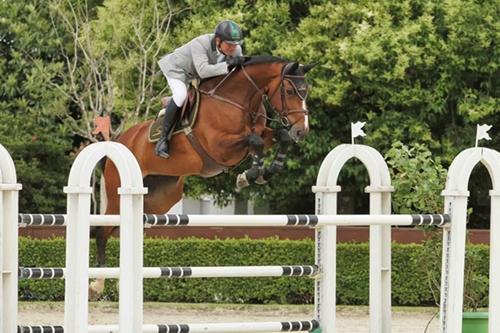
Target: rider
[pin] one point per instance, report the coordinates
(205, 56)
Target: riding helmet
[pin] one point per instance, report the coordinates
(229, 32)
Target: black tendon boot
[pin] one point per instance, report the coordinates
(162, 148)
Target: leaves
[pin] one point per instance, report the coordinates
(418, 71)
(417, 178)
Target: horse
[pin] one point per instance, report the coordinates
(232, 123)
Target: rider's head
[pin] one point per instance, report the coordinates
(228, 36)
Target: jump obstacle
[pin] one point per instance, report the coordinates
(131, 271)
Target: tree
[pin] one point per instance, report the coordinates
(417, 71)
(111, 68)
(29, 105)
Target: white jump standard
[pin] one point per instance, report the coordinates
(132, 221)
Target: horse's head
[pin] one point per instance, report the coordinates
(280, 84)
(289, 100)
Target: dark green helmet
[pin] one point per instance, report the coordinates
(229, 32)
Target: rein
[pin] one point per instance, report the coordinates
(266, 99)
(253, 114)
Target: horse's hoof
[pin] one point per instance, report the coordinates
(260, 180)
(242, 181)
(96, 288)
(93, 295)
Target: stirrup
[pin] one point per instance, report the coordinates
(161, 152)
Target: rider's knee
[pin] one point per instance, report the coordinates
(179, 97)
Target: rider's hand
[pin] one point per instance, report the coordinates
(234, 61)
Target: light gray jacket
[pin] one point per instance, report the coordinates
(198, 59)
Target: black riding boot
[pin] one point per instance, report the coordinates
(162, 148)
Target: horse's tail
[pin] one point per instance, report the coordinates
(103, 202)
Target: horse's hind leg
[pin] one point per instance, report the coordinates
(102, 234)
(163, 193)
(96, 288)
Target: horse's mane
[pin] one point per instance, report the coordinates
(263, 59)
(253, 60)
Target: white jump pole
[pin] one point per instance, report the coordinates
(284, 326)
(179, 272)
(380, 235)
(9, 192)
(312, 221)
(131, 237)
(297, 326)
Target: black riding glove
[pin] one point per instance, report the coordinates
(234, 61)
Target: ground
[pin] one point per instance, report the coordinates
(349, 319)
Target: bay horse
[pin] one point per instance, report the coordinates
(232, 122)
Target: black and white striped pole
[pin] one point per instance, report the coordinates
(182, 220)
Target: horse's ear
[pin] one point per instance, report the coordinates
(292, 67)
(307, 68)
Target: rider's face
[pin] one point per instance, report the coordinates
(227, 48)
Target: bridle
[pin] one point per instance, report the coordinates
(301, 92)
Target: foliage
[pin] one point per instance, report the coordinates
(30, 104)
(476, 281)
(110, 70)
(417, 179)
(418, 71)
(404, 67)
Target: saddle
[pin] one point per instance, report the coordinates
(189, 114)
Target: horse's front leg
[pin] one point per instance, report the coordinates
(277, 164)
(256, 144)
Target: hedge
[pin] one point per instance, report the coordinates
(415, 271)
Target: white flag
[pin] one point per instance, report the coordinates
(356, 129)
(482, 132)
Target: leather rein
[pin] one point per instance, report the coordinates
(266, 99)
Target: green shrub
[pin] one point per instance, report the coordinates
(415, 271)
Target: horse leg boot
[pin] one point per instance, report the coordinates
(257, 169)
(162, 148)
(284, 141)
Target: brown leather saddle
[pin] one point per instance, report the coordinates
(189, 114)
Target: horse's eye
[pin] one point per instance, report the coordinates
(289, 91)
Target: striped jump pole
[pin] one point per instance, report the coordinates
(285, 326)
(182, 220)
(178, 272)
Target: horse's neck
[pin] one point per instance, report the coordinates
(240, 94)
(239, 84)
(263, 75)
